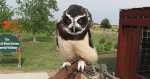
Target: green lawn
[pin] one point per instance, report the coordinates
(42, 56)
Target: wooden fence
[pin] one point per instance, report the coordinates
(104, 74)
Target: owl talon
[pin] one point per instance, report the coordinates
(66, 64)
(81, 65)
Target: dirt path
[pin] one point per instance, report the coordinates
(39, 75)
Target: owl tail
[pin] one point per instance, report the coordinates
(87, 53)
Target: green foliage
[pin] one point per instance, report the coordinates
(5, 13)
(105, 43)
(105, 23)
(51, 27)
(36, 13)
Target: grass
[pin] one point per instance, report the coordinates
(106, 45)
(105, 41)
(42, 56)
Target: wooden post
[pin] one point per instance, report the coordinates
(18, 56)
(68, 73)
(18, 51)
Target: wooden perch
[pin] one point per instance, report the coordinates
(68, 73)
(72, 73)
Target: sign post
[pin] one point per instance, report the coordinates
(10, 43)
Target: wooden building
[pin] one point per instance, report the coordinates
(133, 55)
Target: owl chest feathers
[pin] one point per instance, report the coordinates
(73, 43)
(71, 49)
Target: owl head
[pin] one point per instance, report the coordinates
(76, 19)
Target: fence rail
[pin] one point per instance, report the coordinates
(104, 74)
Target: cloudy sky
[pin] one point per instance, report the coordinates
(99, 8)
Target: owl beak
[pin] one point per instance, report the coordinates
(74, 28)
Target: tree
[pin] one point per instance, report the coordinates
(35, 14)
(51, 28)
(105, 23)
(5, 13)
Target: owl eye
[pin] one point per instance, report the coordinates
(83, 21)
(66, 20)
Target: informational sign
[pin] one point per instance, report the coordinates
(9, 43)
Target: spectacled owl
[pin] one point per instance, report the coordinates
(74, 39)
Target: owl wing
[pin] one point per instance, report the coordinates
(90, 39)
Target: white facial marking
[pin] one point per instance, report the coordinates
(72, 33)
(74, 24)
(78, 17)
(70, 25)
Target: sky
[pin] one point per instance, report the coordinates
(99, 9)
